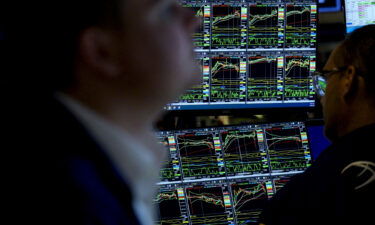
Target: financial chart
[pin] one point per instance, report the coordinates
(228, 26)
(266, 25)
(299, 33)
(227, 79)
(225, 175)
(249, 53)
(265, 80)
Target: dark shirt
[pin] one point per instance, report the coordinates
(55, 172)
(327, 193)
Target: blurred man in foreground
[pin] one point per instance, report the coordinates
(87, 81)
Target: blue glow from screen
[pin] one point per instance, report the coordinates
(318, 141)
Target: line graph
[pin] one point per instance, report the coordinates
(227, 83)
(298, 78)
(198, 157)
(300, 26)
(285, 148)
(206, 205)
(298, 39)
(264, 79)
(249, 199)
(299, 11)
(257, 19)
(227, 26)
(264, 25)
(219, 19)
(279, 138)
(166, 196)
(241, 152)
(224, 66)
(169, 211)
(296, 62)
(207, 197)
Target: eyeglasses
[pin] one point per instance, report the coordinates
(320, 80)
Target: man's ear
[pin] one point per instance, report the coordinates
(350, 83)
(97, 50)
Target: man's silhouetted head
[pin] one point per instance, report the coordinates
(134, 51)
(349, 101)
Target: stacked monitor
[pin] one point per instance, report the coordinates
(253, 54)
(359, 13)
(225, 175)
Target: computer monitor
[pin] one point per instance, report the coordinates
(253, 54)
(224, 175)
(359, 13)
(318, 141)
(328, 6)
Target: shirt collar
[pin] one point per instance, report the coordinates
(136, 163)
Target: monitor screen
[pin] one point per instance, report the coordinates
(224, 175)
(253, 54)
(359, 13)
(318, 141)
(329, 5)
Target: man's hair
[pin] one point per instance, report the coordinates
(359, 50)
(41, 38)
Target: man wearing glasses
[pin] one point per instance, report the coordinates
(340, 186)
